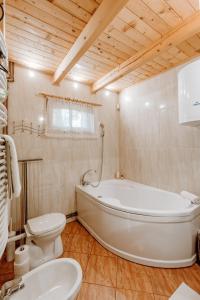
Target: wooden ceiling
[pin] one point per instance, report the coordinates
(40, 33)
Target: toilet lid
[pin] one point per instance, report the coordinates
(46, 223)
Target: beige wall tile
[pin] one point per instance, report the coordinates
(154, 148)
(52, 182)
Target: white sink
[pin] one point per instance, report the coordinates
(57, 279)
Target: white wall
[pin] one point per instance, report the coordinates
(52, 182)
(154, 148)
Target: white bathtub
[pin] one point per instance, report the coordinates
(140, 223)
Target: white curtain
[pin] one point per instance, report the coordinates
(70, 119)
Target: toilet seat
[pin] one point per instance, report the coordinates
(46, 223)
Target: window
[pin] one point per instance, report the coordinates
(70, 119)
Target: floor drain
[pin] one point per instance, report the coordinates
(99, 196)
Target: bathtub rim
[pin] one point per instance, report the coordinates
(186, 214)
(136, 216)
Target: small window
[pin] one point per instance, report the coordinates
(70, 119)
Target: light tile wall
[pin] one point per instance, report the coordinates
(154, 148)
(52, 182)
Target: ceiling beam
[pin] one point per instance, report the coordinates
(188, 28)
(104, 14)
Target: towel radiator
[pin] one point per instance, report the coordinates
(4, 176)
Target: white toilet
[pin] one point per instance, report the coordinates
(44, 238)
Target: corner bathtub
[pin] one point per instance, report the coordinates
(140, 223)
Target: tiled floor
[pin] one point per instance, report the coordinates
(108, 277)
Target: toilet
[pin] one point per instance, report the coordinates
(43, 235)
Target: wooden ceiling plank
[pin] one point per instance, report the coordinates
(156, 65)
(160, 60)
(105, 54)
(90, 33)
(151, 71)
(84, 75)
(33, 52)
(100, 59)
(94, 64)
(31, 59)
(20, 61)
(164, 11)
(45, 36)
(44, 17)
(57, 12)
(186, 48)
(122, 38)
(187, 29)
(87, 69)
(166, 55)
(34, 45)
(106, 47)
(181, 56)
(134, 21)
(143, 12)
(131, 32)
(26, 18)
(73, 9)
(194, 41)
(88, 5)
(195, 4)
(48, 45)
(116, 44)
(182, 7)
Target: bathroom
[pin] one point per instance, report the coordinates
(100, 149)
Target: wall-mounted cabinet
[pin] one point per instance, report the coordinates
(189, 94)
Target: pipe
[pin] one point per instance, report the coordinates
(17, 237)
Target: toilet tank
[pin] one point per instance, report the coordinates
(189, 94)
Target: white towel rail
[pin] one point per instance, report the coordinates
(3, 163)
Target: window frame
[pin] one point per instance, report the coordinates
(59, 133)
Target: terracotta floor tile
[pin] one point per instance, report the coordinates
(164, 281)
(6, 271)
(132, 276)
(101, 270)
(158, 297)
(97, 249)
(65, 238)
(132, 295)
(79, 243)
(191, 276)
(75, 228)
(96, 292)
(80, 257)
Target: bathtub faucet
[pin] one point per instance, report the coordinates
(10, 287)
(83, 181)
(195, 201)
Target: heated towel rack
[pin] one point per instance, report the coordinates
(3, 197)
(4, 174)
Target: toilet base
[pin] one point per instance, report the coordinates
(39, 255)
(42, 250)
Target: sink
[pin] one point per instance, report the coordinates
(57, 279)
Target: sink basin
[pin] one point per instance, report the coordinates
(57, 279)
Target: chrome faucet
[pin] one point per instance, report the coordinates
(195, 201)
(11, 287)
(83, 181)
